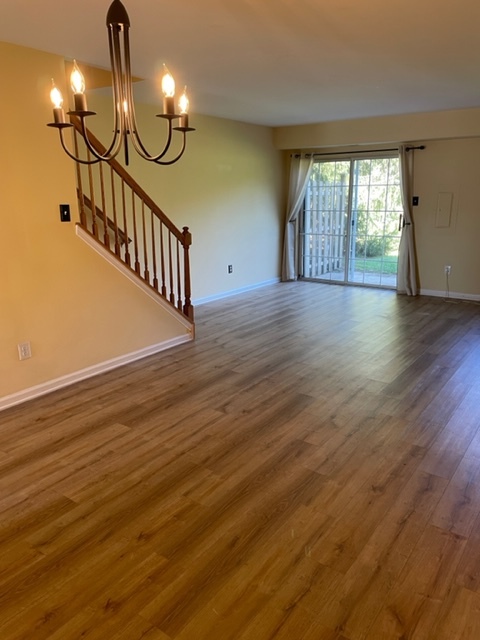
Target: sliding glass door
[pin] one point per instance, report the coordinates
(350, 231)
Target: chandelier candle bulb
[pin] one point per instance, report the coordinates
(57, 101)
(183, 104)
(77, 82)
(168, 88)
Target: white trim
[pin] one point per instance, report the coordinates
(234, 292)
(132, 276)
(454, 295)
(89, 372)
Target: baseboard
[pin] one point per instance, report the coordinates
(89, 372)
(234, 292)
(454, 295)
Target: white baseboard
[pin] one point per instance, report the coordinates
(234, 292)
(89, 372)
(454, 295)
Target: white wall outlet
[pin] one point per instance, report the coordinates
(24, 350)
(448, 269)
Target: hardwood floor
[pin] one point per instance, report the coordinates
(308, 469)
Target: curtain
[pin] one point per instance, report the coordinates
(300, 169)
(407, 264)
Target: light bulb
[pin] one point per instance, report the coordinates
(183, 103)
(168, 84)
(77, 80)
(57, 101)
(56, 97)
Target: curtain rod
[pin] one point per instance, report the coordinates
(350, 153)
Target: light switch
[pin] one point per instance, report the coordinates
(64, 213)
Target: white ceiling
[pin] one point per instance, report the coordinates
(278, 62)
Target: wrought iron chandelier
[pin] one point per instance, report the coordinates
(125, 122)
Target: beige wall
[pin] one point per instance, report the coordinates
(464, 123)
(449, 164)
(74, 308)
(227, 188)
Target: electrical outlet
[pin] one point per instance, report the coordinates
(24, 350)
(448, 269)
(230, 268)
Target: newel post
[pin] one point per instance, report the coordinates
(187, 241)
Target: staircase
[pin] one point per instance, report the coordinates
(119, 215)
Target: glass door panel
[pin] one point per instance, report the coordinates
(324, 231)
(375, 235)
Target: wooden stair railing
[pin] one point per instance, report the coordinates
(101, 218)
(125, 219)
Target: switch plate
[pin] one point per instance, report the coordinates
(415, 200)
(64, 213)
(230, 268)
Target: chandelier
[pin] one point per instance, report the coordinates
(125, 122)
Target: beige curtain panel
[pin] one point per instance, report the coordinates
(407, 265)
(300, 169)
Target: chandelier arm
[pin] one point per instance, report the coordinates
(141, 149)
(110, 153)
(119, 123)
(118, 117)
(71, 155)
(138, 145)
(117, 139)
(182, 151)
(118, 98)
(124, 82)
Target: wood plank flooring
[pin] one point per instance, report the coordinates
(308, 469)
